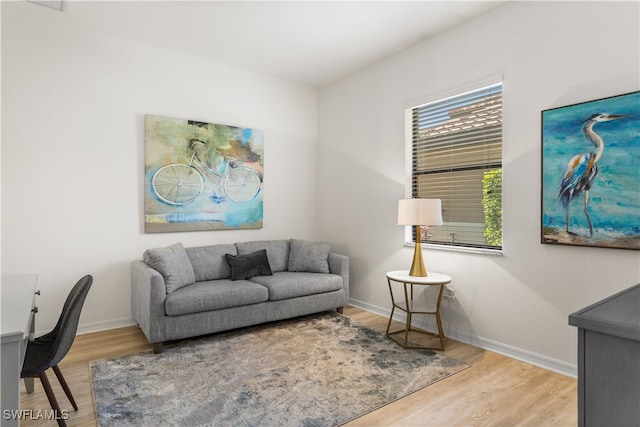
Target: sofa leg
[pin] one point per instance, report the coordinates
(157, 347)
(340, 310)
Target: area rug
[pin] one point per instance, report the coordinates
(319, 370)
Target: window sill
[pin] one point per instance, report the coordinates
(482, 251)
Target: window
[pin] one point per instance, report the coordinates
(456, 156)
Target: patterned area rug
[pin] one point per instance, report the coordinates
(319, 370)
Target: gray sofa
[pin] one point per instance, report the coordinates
(182, 292)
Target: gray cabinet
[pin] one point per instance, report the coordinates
(609, 360)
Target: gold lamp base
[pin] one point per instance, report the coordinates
(417, 267)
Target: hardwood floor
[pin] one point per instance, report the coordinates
(494, 391)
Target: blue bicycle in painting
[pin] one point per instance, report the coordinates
(178, 184)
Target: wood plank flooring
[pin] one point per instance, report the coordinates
(494, 391)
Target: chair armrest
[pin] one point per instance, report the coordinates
(339, 264)
(148, 295)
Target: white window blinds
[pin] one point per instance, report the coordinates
(456, 156)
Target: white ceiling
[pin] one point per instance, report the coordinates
(312, 42)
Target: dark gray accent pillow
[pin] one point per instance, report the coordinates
(174, 265)
(309, 256)
(249, 265)
(277, 252)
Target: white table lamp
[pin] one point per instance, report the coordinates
(420, 212)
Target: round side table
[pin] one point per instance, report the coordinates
(408, 306)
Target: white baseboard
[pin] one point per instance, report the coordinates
(540, 360)
(89, 328)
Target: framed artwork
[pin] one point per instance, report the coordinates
(591, 173)
(201, 176)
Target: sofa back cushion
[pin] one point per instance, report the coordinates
(209, 263)
(277, 252)
(174, 265)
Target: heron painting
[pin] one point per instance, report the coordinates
(591, 173)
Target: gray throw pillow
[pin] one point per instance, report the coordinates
(174, 265)
(249, 265)
(309, 256)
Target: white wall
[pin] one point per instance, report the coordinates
(73, 106)
(550, 54)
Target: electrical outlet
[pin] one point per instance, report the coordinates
(450, 294)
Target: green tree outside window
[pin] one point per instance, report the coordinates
(492, 204)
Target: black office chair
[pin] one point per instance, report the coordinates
(48, 350)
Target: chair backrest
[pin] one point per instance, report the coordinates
(65, 331)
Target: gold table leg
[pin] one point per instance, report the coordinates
(410, 312)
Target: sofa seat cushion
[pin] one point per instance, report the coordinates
(214, 295)
(285, 284)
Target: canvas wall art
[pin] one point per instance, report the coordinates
(202, 176)
(591, 173)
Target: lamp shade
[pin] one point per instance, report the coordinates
(419, 212)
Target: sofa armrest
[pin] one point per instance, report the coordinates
(148, 294)
(339, 264)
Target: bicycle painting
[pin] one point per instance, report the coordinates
(201, 176)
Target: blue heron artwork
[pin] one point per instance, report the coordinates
(591, 173)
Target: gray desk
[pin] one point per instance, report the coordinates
(609, 360)
(18, 297)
